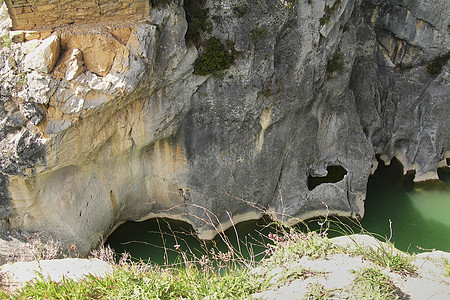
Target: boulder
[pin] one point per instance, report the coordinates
(44, 57)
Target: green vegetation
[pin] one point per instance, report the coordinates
(316, 291)
(132, 281)
(214, 59)
(371, 283)
(294, 245)
(446, 268)
(257, 34)
(387, 256)
(5, 41)
(434, 67)
(336, 64)
(240, 10)
(329, 12)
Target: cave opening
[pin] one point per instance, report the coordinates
(165, 241)
(334, 174)
(414, 216)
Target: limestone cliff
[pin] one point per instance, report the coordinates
(124, 125)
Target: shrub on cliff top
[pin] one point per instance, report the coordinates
(214, 59)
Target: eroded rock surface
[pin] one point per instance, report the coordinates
(134, 134)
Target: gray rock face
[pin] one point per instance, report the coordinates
(315, 91)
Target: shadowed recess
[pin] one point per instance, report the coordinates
(162, 240)
(334, 174)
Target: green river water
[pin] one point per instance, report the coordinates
(413, 219)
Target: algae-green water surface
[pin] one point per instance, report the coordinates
(412, 219)
(163, 240)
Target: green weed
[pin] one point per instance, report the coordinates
(446, 268)
(434, 67)
(371, 283)
(5, 41)
(316, 291)
(214, 59)
(257, 34)
(294, 245)
(336, 63)
(137, 281)
(387, 256)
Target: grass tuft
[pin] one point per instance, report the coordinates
(387, 256)
(142, 281)
(293, 245)
(371, 283)
(257, 34)
(317, 291)
(434, 67)
(5, 41)
(336, 63)
(446, 268)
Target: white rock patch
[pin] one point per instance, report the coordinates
(19, 273)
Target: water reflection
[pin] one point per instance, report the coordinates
(432, 205)
(420, 218)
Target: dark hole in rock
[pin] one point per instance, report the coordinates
(335, 174)
(444, 174)
(393, 174)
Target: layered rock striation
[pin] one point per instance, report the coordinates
(122, 128)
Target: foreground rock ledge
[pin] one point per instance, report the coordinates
(335, 272)
(16, 275)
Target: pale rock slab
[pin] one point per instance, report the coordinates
(40, 87)
(44, 57)
(29, 46)
(20, 273)
(75, 65)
